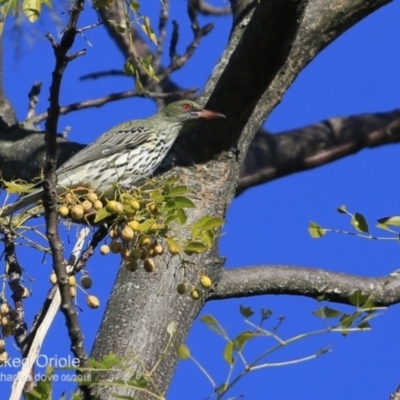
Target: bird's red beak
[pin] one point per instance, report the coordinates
(207, 114)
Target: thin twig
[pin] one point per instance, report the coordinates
(43, 321)
(109, 98)
(162, 33)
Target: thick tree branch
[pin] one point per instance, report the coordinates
(300, 281)
(274, 156)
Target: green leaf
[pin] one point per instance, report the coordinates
(183, 352)
(315, 230)
(101, 214)
(364, 325)
(391, 221)
(146, 224)
(32, 9)
(358, 299)
(342, 210)
(360, 223)
(347, 320)
(242, 338)
(148, 30)
(228, 353)
(247, 312)
(134, 5)
(178, 190)
(209, 320)
(331, 312)
(183, 202)
(194, 247)
(181, 215)
(208, 238)
(213, 223)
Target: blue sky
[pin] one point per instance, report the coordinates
(358, 73)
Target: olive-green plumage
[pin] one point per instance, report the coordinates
(124, 154)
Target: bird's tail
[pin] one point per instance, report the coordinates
(31, 198)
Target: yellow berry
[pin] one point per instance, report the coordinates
(87, 205)
(63, 211)
(86, 281)
(70, 198)
(53, 278)
(92, 301)
(4, 309)
(149, 265)
(182, 288)
(127, 233)
(92, 197)
(115, 207)
(124, 253)
(115, 247)
(144, 254)
(173, 249)
(3, 357)
(72, 280)
(134, 225)
(5, 321)
(134, 204)
(205, 281)
(131, 265)
(97, 205)
(195, 293)
(7, 330)
(2, 345)
(114, 233)
(144, 241)
(77, 211)
(158, 249)
(72, 291)
(104, 249)
(153, 208)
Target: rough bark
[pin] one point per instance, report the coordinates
(270, 44)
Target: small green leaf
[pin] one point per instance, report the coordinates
(360, 223)
(242, 338)
(342, 210)
(178, 190)
(364, 325)
(331, 312)
(247, 312)
(183, 202)
(358, 299)
(228, 353)
(315, 230)
(18, 188)
(101, 214)
(209, 319)
(391, 221)
(346, 320)
(145, 225)
(181, 215)
(213, 223)
(183, 352)
(32, 9)
(194, 247)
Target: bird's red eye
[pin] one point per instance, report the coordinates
(186, 107)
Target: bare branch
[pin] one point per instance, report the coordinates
(274, 156)
(113, 97)
(301, 281)
(208, 9)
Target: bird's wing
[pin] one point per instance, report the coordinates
(123, 137)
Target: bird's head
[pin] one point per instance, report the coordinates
(186, 110)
